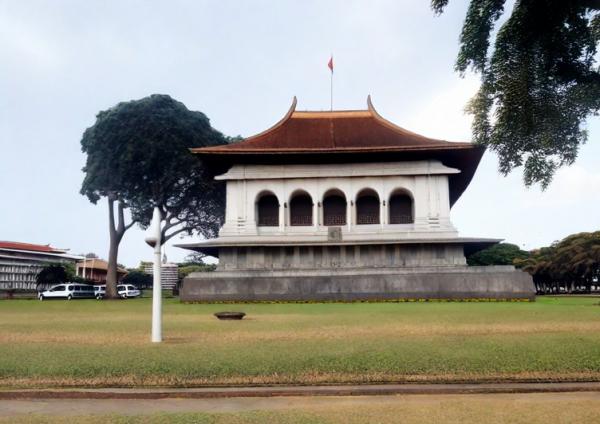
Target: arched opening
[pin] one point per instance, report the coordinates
(367, 207)
(301, 209)
(401, 208)
(267, 209)
(334, 208)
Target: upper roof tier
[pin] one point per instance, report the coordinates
(335, 131)
(346, 136)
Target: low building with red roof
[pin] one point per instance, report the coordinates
(345, 205)
(95, 269)
(21, 262)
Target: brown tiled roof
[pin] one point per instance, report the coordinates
(344, 131)
(345, 136)
(99, 264)
(28, 247)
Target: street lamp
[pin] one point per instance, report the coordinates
(154, 240)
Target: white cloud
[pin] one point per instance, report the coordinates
(441, 115)
(572, 185)
(27, 45)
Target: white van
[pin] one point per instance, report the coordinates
(68, 291)
(127, 290)
(124, 290)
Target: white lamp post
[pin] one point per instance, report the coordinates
(154, 240)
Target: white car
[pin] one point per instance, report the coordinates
(67, 291)
(124, 290)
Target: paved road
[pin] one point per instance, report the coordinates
(270, 391)
(69, 407)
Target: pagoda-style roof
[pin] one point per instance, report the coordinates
(346, 136)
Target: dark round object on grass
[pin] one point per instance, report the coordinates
(230, 315)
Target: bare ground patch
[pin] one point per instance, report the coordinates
(300, 379)
(244, 334)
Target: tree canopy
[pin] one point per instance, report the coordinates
(138, 278)
(499, 254)
(138, 157)
(540, 80)
(52, 274)
(567, 264)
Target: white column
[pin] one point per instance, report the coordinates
(349, 215)
(315, 212)
(157, 295)
(154, 240)
(282, 213)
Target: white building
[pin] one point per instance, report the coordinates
(20, 263)
(345, 205)
(169, 273)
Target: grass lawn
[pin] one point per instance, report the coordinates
(95, 343)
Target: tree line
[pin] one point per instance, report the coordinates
(571, 265)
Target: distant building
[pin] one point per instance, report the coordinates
(20, 263)
(169, 273)
(95, 269)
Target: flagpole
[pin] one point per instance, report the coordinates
(330, 66)
(331, 94)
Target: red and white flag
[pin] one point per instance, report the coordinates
(330, 64)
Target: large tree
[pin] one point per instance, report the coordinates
(138, 157)
(540, 80)
(572, 263)
(52, 274)
(498, 254)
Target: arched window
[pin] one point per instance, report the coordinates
(301, 210)
(267, 209)
(367, 207)
(334, 208)
(401, 209)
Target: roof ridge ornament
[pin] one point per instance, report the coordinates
(370, 106)
(390, 124)
(279, 123)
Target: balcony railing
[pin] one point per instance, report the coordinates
(333, 220)
(268, 221)
(300, 220)
(367, 218)
(401, 219)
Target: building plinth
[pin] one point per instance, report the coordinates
(452, 283)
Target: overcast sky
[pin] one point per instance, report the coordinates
(240, 63)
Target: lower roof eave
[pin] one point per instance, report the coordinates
(211, 247)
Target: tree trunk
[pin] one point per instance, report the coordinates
(111, 271)
(116, 232)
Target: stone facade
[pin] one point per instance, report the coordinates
(461, 282)
(425, 182)
(353, 256)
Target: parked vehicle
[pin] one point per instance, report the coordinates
(99, 292)
(124, 290)
(127, 290)
(68, 291)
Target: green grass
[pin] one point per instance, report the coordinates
(92, 343)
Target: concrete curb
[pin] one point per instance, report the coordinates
(271, 391)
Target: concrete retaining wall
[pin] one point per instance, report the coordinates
(494, 282)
